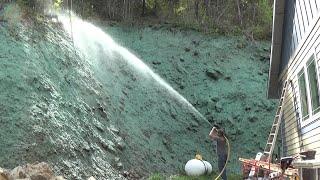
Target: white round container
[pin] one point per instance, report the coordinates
(195, 167)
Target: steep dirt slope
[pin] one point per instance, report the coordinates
(82, 119)
(52, 105)
(89, 119)
(225, 78)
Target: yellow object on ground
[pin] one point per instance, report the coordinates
(198, 156)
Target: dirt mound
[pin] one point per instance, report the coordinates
(40, 171)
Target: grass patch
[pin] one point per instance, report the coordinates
(158, 176)
(180, 177)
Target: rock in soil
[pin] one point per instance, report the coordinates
(40, 171)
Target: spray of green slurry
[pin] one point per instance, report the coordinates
(60, 96)
(92, 41)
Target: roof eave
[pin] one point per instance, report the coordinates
(276, 46)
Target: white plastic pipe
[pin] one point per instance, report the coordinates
(258, 157)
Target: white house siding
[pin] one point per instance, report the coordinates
(299, 17)
(310, 133)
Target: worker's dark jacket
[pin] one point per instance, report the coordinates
(220, 146)
(221, 149)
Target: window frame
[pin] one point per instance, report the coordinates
(312, 58)
(302, 72)
(304, 67)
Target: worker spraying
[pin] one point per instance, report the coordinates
(220, 142)
(197, 166)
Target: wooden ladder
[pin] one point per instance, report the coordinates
(268, 150)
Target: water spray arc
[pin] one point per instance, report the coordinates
(70, 18)
(86, 37)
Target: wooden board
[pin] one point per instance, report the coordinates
(269, 166)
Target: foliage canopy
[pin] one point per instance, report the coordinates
(251, 17)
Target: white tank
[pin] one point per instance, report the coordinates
(195, 167)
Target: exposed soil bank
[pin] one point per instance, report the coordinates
(99, 119)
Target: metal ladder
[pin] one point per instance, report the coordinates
(268, 150)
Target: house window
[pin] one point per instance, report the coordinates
(313, 85)
(303, 95)
(308, 174)
(309, 89)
